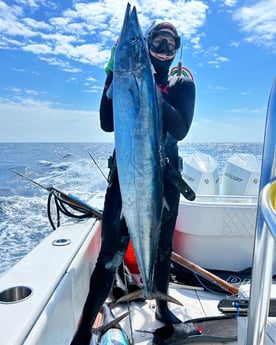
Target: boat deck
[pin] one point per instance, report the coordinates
(197, 303)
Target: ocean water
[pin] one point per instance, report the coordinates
(69, 168)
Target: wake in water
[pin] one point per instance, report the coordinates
(23, 205)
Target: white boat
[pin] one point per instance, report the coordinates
(42, 296)
(220, 222)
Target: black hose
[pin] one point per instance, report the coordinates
(69, 209)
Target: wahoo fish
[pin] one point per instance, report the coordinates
(139, 147)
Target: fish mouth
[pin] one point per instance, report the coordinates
(130, 59)
(125, 22)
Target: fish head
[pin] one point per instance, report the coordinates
(131, 52)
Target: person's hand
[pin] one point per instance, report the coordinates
(110, 65)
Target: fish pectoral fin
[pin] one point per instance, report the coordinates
(166, 205)
(165, 297)
(109, 92)
(121, 215)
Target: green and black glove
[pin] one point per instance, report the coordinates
(110, 65)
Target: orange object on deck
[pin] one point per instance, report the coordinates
(130, 259)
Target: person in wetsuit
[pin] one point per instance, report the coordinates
(178, 108)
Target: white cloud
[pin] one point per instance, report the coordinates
(234, 44)
(213, 88)
(246, 110)
(64, 65)
(230, 3)
(213, 57)
(84, 32)
(38, 48)
(33, 121)
(244, 93)
(259, 23)
(34, 24)
(30, 121)
(230, 129)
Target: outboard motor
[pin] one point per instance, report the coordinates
(241, 175)
(200, 171)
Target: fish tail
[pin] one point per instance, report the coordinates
(156, 295)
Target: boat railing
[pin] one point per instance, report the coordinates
(224, 199)
(265, 234)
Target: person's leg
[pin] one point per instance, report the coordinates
(115, 239)
(163, 263)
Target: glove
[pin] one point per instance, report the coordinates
(110, 65)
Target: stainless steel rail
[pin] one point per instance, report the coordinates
(265, 235)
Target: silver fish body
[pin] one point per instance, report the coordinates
(110, 332)
(113, 336)
(139, 146)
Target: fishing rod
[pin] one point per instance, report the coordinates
(29, 179)
(230, 288)
(179, 65)
(181, 70)
(63, 201)
(97, 165)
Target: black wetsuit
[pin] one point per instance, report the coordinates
(178, 108)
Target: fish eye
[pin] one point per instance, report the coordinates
(133, 39)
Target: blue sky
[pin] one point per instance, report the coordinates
(53, 55)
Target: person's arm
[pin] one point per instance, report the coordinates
(178, 115)
(106, 109)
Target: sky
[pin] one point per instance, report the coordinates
(53, 55)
